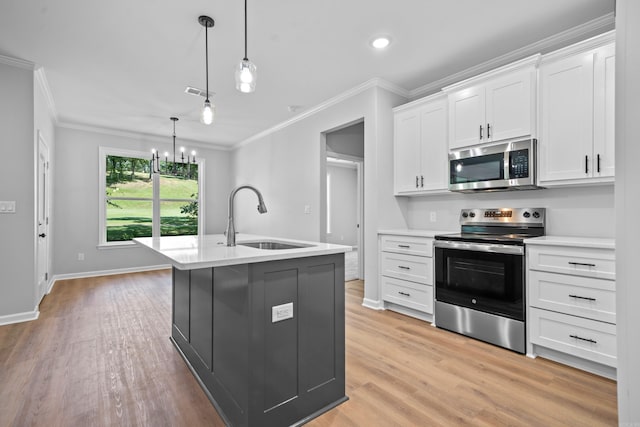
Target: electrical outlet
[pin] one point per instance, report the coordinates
(8, 207)
(432, 216)
(307, 209)
(80, 256)
(281, 312)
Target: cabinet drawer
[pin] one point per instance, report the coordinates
(575, 295)
(588, 339)
(412, 295)
(408, 267)
(421, 246)
(589, 262)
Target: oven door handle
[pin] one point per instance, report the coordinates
(481, 247)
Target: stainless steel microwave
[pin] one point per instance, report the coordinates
(500, 167)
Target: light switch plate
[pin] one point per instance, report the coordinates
(281, 312)
(8, 207)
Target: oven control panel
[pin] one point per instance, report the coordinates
(484, 216)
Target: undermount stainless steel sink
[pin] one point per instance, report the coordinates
(273, 245)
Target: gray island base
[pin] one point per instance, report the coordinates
(266, 339)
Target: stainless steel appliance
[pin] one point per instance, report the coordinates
(499, 167)
(480, 274)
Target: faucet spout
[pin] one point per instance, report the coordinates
(231, 230)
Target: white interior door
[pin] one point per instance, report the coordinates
(43, 218)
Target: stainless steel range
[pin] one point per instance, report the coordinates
(480, 274)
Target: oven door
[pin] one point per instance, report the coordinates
(483, 277)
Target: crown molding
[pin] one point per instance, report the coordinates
(371, 83)
(579, 32)
(139, 136)
(19, 63)
(41, 78)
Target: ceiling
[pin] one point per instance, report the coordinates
(124, 64)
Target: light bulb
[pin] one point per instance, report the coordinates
(208, 112)
(182, 149)
(246, 75)
(193, 152)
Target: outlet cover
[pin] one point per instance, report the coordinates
(432, 217)
(8, 207)
(281, 312)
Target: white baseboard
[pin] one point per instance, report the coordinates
(372, 304)
(19, 317)
(86, 274)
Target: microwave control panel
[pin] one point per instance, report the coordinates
(519, 164)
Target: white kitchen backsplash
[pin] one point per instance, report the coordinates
(575, 211)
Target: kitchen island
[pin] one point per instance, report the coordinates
(261, 329)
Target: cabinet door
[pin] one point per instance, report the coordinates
(509, 105)
(604, 112)
(433, 147)
(406, 151)
(466, 117)
(566, 142)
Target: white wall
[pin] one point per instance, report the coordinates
(344, 205)
(17, 231)
(76, 199)
(579, 211)
(627, 208)
(349, 140)
(288, 167)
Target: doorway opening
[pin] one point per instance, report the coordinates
(343, 195)
(43, 190)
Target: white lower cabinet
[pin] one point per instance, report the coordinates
(406, 274)
(572, 303)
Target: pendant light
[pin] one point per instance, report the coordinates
(208, 110)
(156, 163)
(246, 72)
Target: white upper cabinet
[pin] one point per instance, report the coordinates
(495, 106)
(420, 147)
(577, 139)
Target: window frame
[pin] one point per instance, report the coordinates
(103, 153)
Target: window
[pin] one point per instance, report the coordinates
(138, 203)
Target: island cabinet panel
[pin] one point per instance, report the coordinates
(280, 339)
(201, 314)
(230, 340)
(181, 301)
(275, 354)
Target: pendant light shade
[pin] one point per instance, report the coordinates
(246, 76)
(208, 113)
(208, 110)
(246, 71)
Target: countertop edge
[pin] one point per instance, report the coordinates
(582, 242)
(413, 233)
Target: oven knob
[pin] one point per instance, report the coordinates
(526, 214)
(536, 214)
(464, 214)
(472, 214)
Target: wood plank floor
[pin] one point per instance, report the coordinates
(99, 355)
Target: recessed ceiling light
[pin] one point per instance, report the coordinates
(380, 42)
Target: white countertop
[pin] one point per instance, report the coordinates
(414, 233)
(191, 252)
(581, 242)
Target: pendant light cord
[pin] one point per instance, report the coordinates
(206, 54)
(245, 30)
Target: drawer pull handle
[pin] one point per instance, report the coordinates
(582, 263)
(584, 339)
(404, 246)
(404, 293)
(584, 298)
(404, 268)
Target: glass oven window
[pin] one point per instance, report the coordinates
(476, 169)
(485, 281)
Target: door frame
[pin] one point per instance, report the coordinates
(42, 286)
